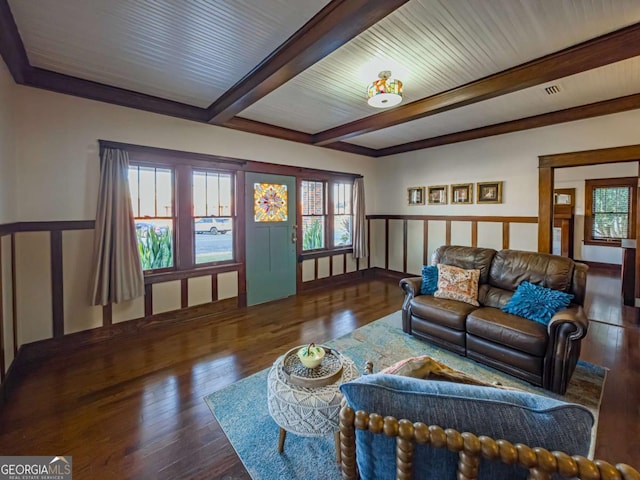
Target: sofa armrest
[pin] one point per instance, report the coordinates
(566, 330)
(411, 288)
(576, 319)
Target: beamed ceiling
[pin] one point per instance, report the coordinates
(298, 69)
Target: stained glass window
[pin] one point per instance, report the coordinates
(270, 202)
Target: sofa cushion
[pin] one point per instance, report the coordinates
(429, 280)
(518, 417)
(509, 330)
(537, 303)
(448, 313)
(512, 267)
(469, 258)
(457, 283)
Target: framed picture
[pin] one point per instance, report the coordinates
(415, 195)
(437, 194)
(489, 192)
(462, 193)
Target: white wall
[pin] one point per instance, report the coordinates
(57, 149)
(7, 136)
(512, 158)
(575, 177)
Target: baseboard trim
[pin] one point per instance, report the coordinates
(335, 280)
(381, 272)
(44, 348)
(11, 377)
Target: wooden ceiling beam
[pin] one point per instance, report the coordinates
(606, 107)
(259, 128)
(11, 46)
(604, 50)
(336, 24)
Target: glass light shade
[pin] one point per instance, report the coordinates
(384, 93)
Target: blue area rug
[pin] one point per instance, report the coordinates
(241, 408)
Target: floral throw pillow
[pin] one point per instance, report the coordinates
(458, 284)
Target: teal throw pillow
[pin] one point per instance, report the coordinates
(537, 303)
(429, 280)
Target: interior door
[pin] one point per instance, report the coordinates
(270, 237)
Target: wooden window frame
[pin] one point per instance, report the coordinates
(184, 232)
(590, 185)
(325, 215)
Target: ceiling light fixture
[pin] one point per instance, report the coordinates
(384, 92)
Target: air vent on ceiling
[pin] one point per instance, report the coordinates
(552, 90)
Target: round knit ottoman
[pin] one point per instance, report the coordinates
(310, 412)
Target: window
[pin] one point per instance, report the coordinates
(314, 212)
(610, 210)
(342, 215)
(212, 216)
(324, 227)
(152, 201)
(185, 216)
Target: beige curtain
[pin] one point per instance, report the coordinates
(359, 221)
(117, 271)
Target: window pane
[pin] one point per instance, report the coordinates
(133, 189)
(164, 193)
(312, 198)
(342, 198)
(342, 230)
(213, 239)
(147, 193)
(611, 207)
(199, 193)
(225, 198)
(213, 194)
(312, 233)
(155, 243)
(270, 202)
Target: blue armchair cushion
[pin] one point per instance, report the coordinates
(536, 302)
(516, 416)
(429, 280)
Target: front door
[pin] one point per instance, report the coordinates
(271, 237)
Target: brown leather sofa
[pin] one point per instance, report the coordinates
(542, 355)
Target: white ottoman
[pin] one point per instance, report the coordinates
(310, 412)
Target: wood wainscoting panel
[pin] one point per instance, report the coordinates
(490, 235)
(323, 267)
(121, 312)
(437, 236)
(7, 299)
(227, 285)
(523, 236)
(33, 286)
(337, 262)
(77, 252)
(308, 270)
(461, 233)
(396, 245)
(352, 264)
(167, 296)
(415, 246)
(199, 290)
(378, 245)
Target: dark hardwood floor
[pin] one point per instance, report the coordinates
(133, 407)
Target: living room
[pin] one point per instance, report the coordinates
(49, 177)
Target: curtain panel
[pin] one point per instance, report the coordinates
(360, 249)
(117, 271)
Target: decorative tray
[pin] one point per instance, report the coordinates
(326, 373)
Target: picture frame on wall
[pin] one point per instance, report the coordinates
(462, 193)
(489, 192)
(437, 194)
(415, 195)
